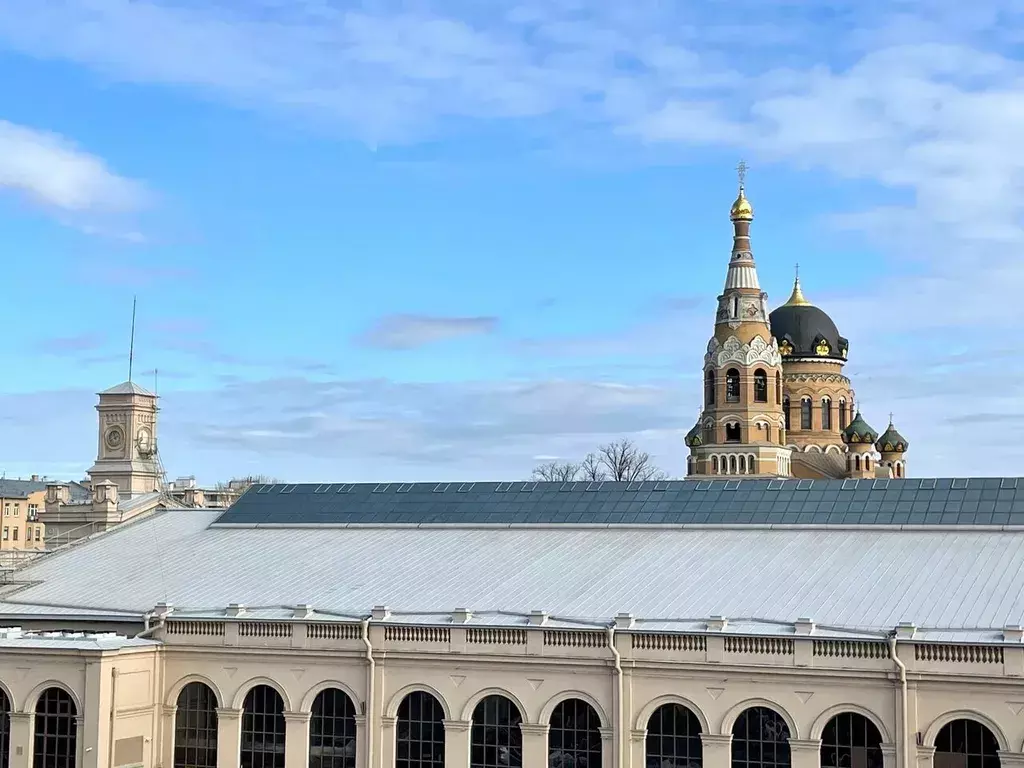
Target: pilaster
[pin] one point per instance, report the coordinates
(456, 743)
(1011, 759)
(805, 753)
(717, 749)
(168, 714)
(535, 744)
(637, 747)
(21, 739)
(888, 755)
(229, 737)
(296, 739)
(361, 742)
(607, 748)
(386, 753)
(925, 757)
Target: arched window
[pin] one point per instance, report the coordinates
(786, 412)
(332, 730)
(843, 420)
(709, 387)
(850, 740)
(689, 465)
(262, 729)
(673, 738)
(760, 386)
(751, 466)
(5, 730)
(420, 736)
(714, 465)
(856, 462)
(899, 469)
(966, 744)
(732, 465)
(732, 386)
(826, 413)
(496, 740)
(743, 465)
(195, 727)
(805, 413)
(867, 462)
(760, 739)
(56, 732)
(574, 736)
(732, 433)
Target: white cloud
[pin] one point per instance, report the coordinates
(414, 331)
(51, 171)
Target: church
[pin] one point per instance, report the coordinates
(749, 616)
(775, 401)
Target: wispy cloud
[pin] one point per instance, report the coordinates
(413, 331)
(51, 171)
(72, 345)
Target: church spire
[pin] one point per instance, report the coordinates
(742, 299)
(797, 298)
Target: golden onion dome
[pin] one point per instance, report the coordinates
(742, 210)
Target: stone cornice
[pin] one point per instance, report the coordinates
(735, 351)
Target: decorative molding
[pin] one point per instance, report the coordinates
(828, 378)
(735, 351)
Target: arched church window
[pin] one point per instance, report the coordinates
(714, 465)
(732, 386)
(743, 465)
(805, 413)
(709, 388)
(856, 462)
(760, 386)
(786, 411)
(778, 388)
(732, 465)
(826, 413)
(732, 432)
(842, 413)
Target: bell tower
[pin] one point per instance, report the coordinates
(127, 452)
(741, 430)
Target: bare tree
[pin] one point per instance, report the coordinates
(620, 460)
(624, 461)
(556, 472)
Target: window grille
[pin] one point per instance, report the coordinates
(760, 739)
(56, 736)
(332, 731)
(263, 729)
(574, 735)
(195, 728)
(673, 738)
(420, 732)
(496, 740)
(850, 740)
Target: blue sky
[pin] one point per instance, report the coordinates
(448, 240)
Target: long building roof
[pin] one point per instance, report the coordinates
(965, 584)
(902, 502)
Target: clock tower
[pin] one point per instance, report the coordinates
(127, 453)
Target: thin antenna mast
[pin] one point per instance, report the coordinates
(131, 345)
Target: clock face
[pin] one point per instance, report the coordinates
(115, 437)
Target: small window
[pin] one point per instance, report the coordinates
(805, 413)
(732, 386)
(760, 386)
(709, 388)
(14, 534)
(17, 510)
(732, 433)
(778, 388)
(39, 533)
(7, 533)
(826, 413)
(843, 420)
(786, 412)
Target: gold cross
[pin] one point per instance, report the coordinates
(741, 170)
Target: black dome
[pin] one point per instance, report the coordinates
(807, 331)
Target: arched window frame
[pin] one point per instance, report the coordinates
(195, 727)
(760, 739)
(732, 386)
(332, 730)
(673, 738)
(806, 411)
(787, 412)
(760, 386)
(971, 741)
(496, 740)
(849, 740)
(420, 714)
(263, 728)
(843, 419)
(709, 387)
(826, 414)
(733, 432)
(574, 735)
(56, 731)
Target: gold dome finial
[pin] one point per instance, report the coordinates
(742, 210)
(797, 298)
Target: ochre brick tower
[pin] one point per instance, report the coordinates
(741, 429)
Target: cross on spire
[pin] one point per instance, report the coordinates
(741, 171)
